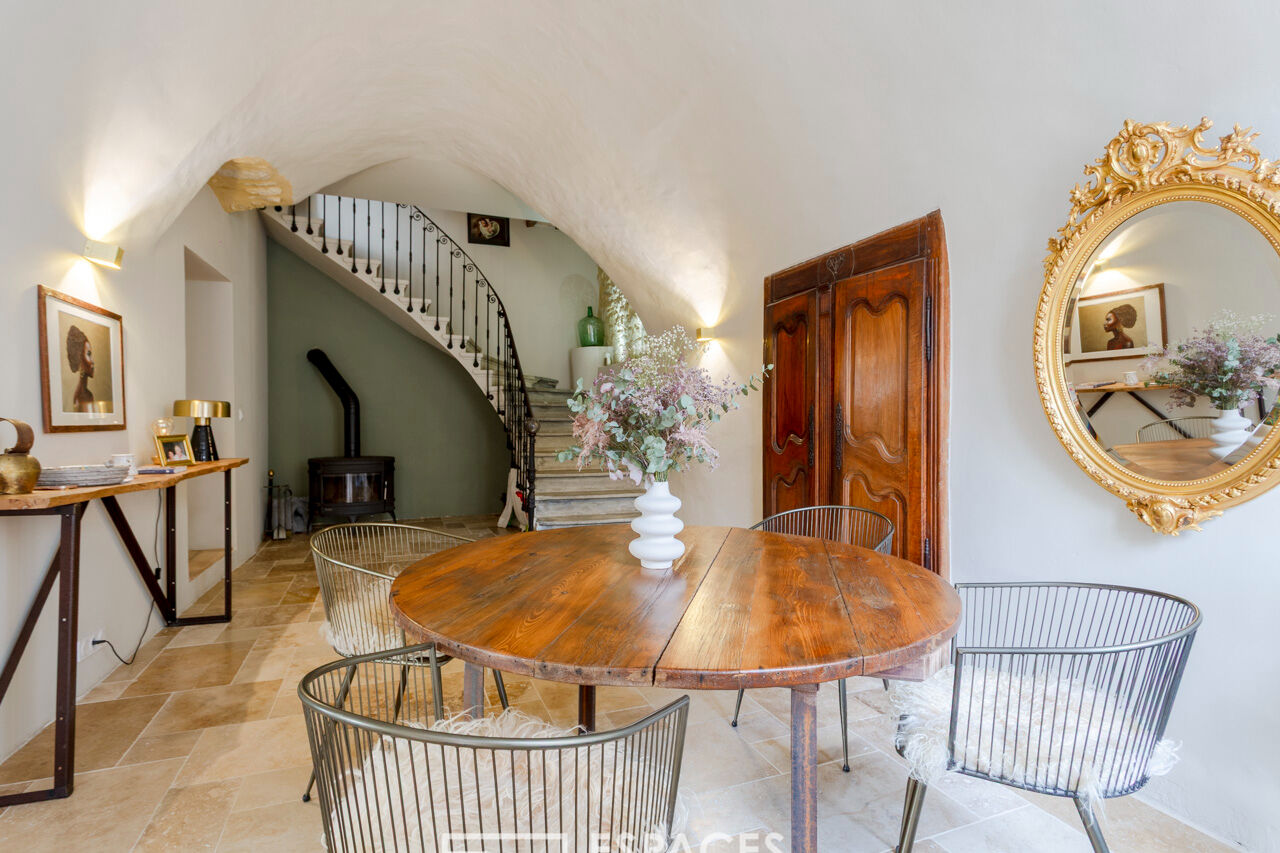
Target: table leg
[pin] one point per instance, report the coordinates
(804, 768)
(587, 707)
(171, 549)
(64, 750)
(226, 540)
(472, 690)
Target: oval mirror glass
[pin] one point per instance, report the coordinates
(1161, 279)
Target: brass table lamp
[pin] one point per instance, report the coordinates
(203, 447)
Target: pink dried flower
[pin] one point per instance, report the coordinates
(649, 416)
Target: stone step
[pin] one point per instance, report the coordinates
(560, 507)
(548, 396)
(287, 218)
(585, 520)
(547, 463)
(550, 445)
(548, 414)
(320, 241)
(574, 483)
(557, 429)
(403, 299)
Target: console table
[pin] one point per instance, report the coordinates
(69, 506)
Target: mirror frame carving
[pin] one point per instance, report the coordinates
(1144, 166)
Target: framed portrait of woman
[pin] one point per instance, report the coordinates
(81, 364)
(1128, 323)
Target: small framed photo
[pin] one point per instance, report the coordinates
(174, 449)
(488, 230)
(81, 364)
(1119, 324)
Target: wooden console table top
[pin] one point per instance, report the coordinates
(47, 498)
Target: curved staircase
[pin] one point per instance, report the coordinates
(568, 497)
(399, 260)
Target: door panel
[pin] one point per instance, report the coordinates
(791, 345)
(861, 336)
(880, 396)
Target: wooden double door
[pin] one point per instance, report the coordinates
(856, 407)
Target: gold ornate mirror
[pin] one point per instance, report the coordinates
(1156, 342)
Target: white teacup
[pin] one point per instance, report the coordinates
(1130, 377)
(124, 460)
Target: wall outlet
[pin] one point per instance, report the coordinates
(85, 647)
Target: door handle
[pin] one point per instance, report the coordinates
(839, 437)
(811, 438)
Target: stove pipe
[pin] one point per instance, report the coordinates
(350, 402)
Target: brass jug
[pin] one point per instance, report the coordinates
(18, 471)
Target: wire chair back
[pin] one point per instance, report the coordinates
(356, 564)
(1196, 426)
(848, 524)
(1065, 689)
(388, 781)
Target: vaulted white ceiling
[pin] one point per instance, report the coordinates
(688, 147)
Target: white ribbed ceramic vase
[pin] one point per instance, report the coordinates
(657, 546)
(1230, 430)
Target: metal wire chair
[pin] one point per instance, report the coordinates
(1062, 689)
(389, 782)
(1173, 429)
(848, 524)
(356, 564)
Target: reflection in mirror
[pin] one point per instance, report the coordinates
(1158, 280)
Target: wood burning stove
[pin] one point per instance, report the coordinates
(351, 485)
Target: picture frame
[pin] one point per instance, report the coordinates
(81, 364)
(485, 230)
(1129, 323)
(174, 450)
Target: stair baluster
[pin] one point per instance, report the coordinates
(324, 232)
(494, 352)
(452, 254)
(338, 251)
(353, 235)
(368, 238)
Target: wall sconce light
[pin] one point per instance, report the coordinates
(706, 333)
(103, 254)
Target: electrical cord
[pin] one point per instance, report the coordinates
(137, 646)
(155, 552)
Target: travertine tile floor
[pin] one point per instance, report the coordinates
(200, 745)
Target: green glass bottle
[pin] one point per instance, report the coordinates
(590, 331)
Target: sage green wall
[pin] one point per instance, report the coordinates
(416, 403)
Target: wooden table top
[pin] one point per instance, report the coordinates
(741, 608)
(1176, 459)
(48, 498)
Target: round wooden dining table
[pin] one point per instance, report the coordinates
(741, 608)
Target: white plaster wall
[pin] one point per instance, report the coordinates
(40, 243)
(439, 184)
(692, 149)
(209, 348)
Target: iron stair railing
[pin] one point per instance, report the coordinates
(432, 271)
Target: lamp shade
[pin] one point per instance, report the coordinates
(201, 409)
